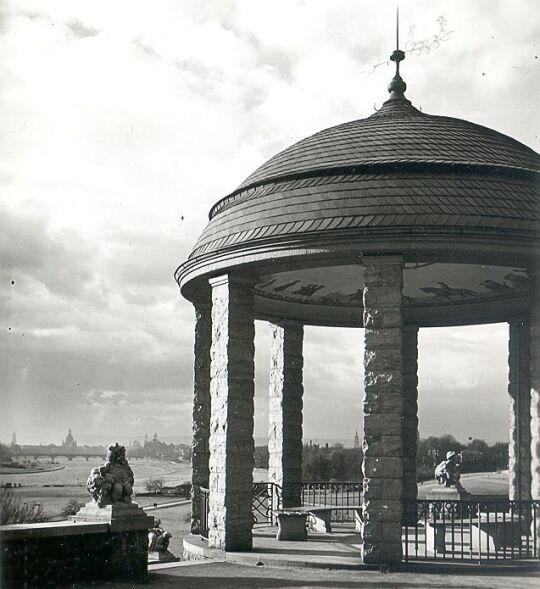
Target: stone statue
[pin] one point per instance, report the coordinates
(113, 482)
(158, 538)
(158, 544)
(447, 472)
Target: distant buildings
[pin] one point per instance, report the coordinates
(69, 443)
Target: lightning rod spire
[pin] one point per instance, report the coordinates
(397, 86)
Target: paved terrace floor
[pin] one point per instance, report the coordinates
(341, 549)
(326, 561)
(224, 575)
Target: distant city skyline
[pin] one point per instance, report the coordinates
(123, 124)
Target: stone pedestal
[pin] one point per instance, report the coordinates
(120, 516)
(285, 412)
(160, 556)
(519, 447)
(383, 409)
(442, 493)
(230, 519)
(292, 526)
(201, 410)
(124, 552)
(410, 420)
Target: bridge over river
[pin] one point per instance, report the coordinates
(51, 451)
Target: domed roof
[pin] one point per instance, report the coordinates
(436, 190)
(398, 132)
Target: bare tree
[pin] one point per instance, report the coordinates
(14, 511)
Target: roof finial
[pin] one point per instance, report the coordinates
(397, 86)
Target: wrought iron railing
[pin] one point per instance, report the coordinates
(342, 494)
(267, 498)
(470, 530)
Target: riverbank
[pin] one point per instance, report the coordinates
(54, 489)
(5, 470)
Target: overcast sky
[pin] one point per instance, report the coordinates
(123, 122)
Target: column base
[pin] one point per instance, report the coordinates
(381, 553)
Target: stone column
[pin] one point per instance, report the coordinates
(231, 423)
(534, 330)
(410, 418)
(285, 411)
(519, 448)
(201, 409)
(383, 409)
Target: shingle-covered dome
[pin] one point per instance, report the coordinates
(398, 167)
(435, 190)
(397, 133)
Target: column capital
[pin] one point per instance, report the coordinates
(411, 327)
(383, 261)
(287, 323)
(241, 280)
(519, 321)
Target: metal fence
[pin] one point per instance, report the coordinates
(470, 530)
(477, 531)
(267, 498)
(342, 494)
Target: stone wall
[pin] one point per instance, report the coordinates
(57, 553)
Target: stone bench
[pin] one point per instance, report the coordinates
(435, 538)
(494, 535)
(292, 525)
(318, 516)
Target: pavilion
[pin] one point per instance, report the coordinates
(396, 222)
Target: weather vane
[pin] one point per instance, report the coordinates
(418, 47)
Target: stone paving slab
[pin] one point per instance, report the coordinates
(340, 549)
(222, 575)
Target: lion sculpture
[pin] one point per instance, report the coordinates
(112, 482)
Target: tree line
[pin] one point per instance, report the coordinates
(339, 464)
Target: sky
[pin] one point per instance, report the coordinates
(124, 122)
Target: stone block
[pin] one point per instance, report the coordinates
(389, 338)
(379, 297)
(383, 361)
(292, 526)
(385, 467)
(375, 488)
(381, 553)
(383, 403)
(381, 510)
(376, 423)
(55, 554)
(378, 275)
(382, 445)
(382, 318)
(391, 381)
(381, 531)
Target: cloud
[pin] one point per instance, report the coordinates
(79, 30)
(120, 133)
